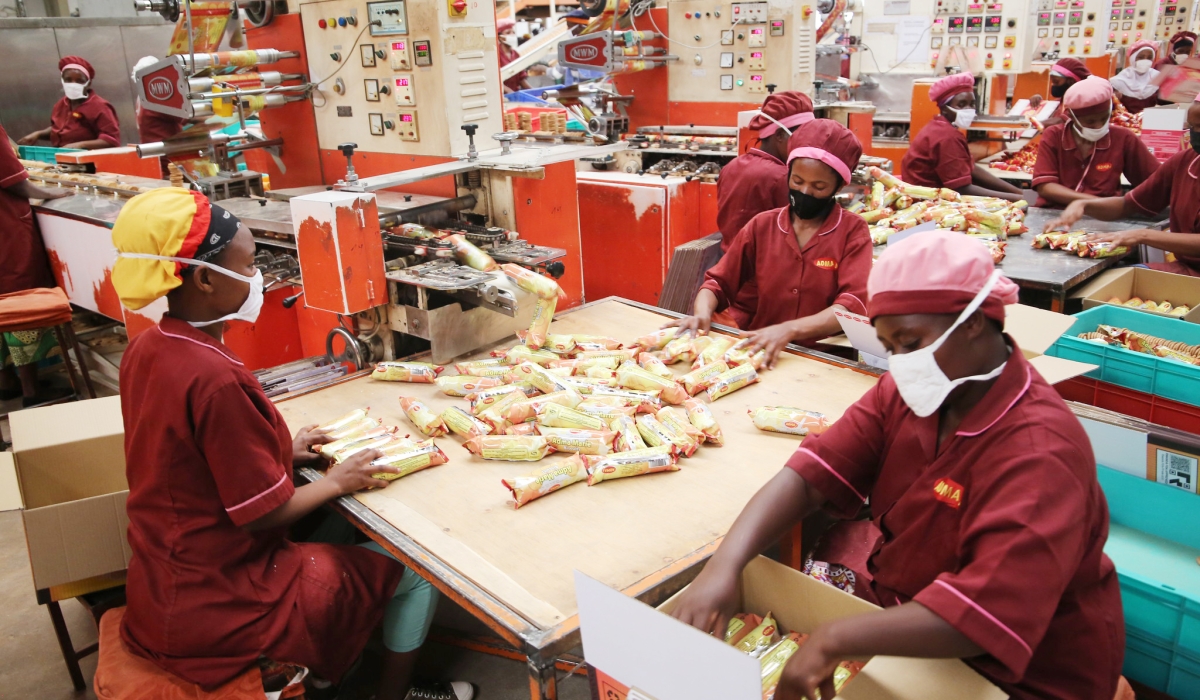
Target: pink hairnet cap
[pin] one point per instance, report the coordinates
(789, 108)
(951, 85)
(1090, 92)
(829, 142)
(503, 25)
(1072, 68)
(936, 272)
(1139, 45)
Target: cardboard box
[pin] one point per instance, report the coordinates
(634, 647)
(1148, 285)
(1140, 448)
(70, 463)
(1162, 129)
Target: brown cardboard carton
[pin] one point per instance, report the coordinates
(70, 463)
(1147, 285)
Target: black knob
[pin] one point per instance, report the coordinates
(470, 129)
(347, 149)
(262, 202)
(408, 197)
(291, 301)
(556, 269)
(771, 88)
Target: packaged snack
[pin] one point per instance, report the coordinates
(522, 429)
(428, 422)
(739, 355)
(606, 412)
(630, 376)
(739, 626)
(621, 355)
(417, 372)
(496, 414)
(545, 380)
(1134, 303)
(658, 435)
(555, 416)
(625, 464)
(774, 659)
(715, 351)
(596, 342)
(628, 438)
(521, 353)
(656, 340)
(845, 672)
(587, 442)
(676, 418)
(330, 449)
(547, 479)
(376, 443)
(728, 382)
(682, 349)
(354, 429)
(1164, 308)
(464, 385)
(699, 379)
(653, 365)
(351, 417)
(586, 363)
(1164, 351)
(424, 454)
(484, 398)
(539, 328)
(462, 423)
(509, 448)
(703, 418)
(559, 343)
(604, 373)
(491, 371)
(470, 255)
(461, 367)
(1181, 310)
(541, 286)
(643, 401)
(398, 444)
(793, 421)
(759, 639)
(527, 409)
(1100, 249)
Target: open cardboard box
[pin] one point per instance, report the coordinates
(70, 462)
(633, 646)
(1148, 285)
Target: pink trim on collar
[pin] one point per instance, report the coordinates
(203, 345)
(822, 155)
(1191, 165)
(1028, 381)
(1064, 72)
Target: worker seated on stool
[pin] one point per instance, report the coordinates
(1085, 157)
(939, 156)
(1174, 184)
(80, 119)
(806, 259)
(23, 266)
(214, 583)
(985, 485)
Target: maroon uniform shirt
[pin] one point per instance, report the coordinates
(94, 118)
(938, 157)
(754, 182)
(23, 261)
(1176, 183)
(1000, 532)
(156, 126)
(1120, 151)
(206, 454)
(793, 283)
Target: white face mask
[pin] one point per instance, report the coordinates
(963, 117)
(510, 39)
(921, 382)
(777, 122)
(249, 309)
(1180, 57)
(1092, 135)
(1142, 65)
(75, 91)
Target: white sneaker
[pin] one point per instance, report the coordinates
(455, 690)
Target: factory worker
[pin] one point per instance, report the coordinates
(806, 259)
(1134, 85)
(1085, 157)
(214, 582)
(1179, 49)
(1176, 184)
(757, 180)
(507, 48)
(153, 126)
(983, 481)
(23, 266)
(81, 118)
(938, 156)
(1063, 74)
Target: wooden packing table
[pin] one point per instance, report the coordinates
(647, 536)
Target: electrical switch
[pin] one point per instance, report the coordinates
(457, 8)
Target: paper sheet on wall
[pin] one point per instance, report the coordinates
(911, 45)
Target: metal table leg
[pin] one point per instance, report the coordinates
(543, 681)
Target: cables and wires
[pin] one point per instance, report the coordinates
(916, 45)
(641, 7)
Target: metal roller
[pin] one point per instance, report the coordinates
(406, 216)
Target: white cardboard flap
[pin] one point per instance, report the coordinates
(861, 333)
(1056, 369)
(1035, 330)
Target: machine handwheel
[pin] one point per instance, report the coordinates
(352, 353)
(259, 12)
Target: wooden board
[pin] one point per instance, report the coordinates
(618, 531)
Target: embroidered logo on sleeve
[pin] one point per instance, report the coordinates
(949, 492)
(826, 263)
(1104, 167)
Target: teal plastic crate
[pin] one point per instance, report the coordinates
(1158, 667)
(1141, 371)
(43, 154)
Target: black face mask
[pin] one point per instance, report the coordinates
(1194, 137)
(807, 206)
(1059, 90)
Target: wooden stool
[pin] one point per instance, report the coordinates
(36, 309)
(97, 595)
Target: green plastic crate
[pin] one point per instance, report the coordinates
(1169, 379)
(43, 154)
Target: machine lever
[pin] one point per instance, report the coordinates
(555, 269)
(472, 154)
(347, 150)
(289, 302)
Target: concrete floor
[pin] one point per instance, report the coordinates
(33, 666)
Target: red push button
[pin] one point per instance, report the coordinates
(321, 23)
(459, 6)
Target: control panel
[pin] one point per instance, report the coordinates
(402, 76)
(1171, 16)
(1078, 28)
(730, 52)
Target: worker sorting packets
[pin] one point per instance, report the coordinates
(1085, 157)
(939, 155)
(214, 583)
(1174, 184)
(1135, 86)
(983, 481)
(806, 259)
(1063, 74)
(81, 118)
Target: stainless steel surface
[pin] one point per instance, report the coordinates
(523, 253)
(453, 332)
(690, 130)
(894, 93)
(101, 183)
(30, 92)
(70, 22)
(410, 210)
(442, 275)
(387, 202)
(101, 210)
(261, 214)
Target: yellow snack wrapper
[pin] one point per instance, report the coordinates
(555, 416)
(428, 422)
(522, 429)
(620, 465)
(423, 455)
(586, 363)
(643, 401)
(653, 365)
(330, 449)
(354, 429)
(699, 379)
(658, 435)
(491, 371)
(715, 351)
(545, 380)
(486, 398)
(465, 385)
(470, 254)
(559, 343)
(602, 373)
(543, 314)
(585, 343)
(541, 286)
(417, 373)
(656, 340)
(628, 438)
(461, 367)
(606, 412)
(739, 355)
(351, 417)
(728, 382)
(521, 353)
(630, 376)
(682, 349)
(587, 442)
(527, 409)
(703, 418)
(509, 448)
(621, 355)
(739, 626)
(587, 385)
(1164, 351)
(546, 480)
(760, 638)
(775, 658)
(398, 444)
(676, 418)
(375, 443)
(462, 423)
(784, 419)
(495, 415)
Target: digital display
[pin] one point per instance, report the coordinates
(956, 24)
(975, 8)
(1060, 17)
(1171, 9)
(1076, 17)
(1116, 14)
(402, 82)
(974, 24)
(755, 78)
(406, 117)
(756, 54)
(938, 24)
(756, 32)
(1129, 13)
(399, 45)
(1043, 19)
(992, 24)
(995, 7)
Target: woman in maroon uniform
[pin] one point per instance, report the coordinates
(1134, 85)
(81, 118)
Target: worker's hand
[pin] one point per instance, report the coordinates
(1073, 212)
(772, 339)
(1129, 239)
(809, 670)
(354, 474)
(305, 440)
(710, 602)
(694, 325)
(56, 193)
(29, 139)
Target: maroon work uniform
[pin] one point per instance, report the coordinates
(507, 55)
(832, 268)
(94, 118)
(206, 454)
(1000, 531)
(1175, 183)
(23, 262)
(938, 157)
(1133, 105)
(156, 126)
(753, 183)
(1120, 151)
